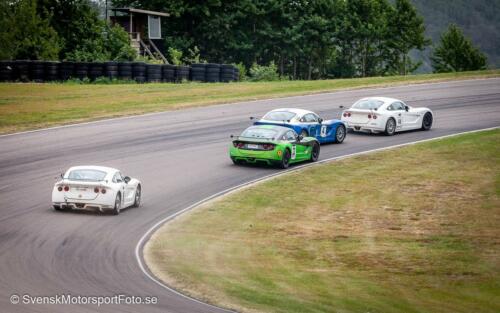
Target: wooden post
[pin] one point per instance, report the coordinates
(130, 26)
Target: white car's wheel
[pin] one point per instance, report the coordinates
(427, 121)
(137, 201)
(390, 127)
(118, 205)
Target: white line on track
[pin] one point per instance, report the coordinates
(149, 232)
(249, 101)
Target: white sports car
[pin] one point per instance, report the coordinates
(388, 115)
(96, 188)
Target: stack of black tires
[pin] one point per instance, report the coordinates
(181, 73)
(66, 70)
(6, 71)
(154, 73)
(213, 73)
(198, 71)
(46, 71)
(125, 71)
(168, 73)
(139, 72)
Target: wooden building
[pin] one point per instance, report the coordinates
(143, 27)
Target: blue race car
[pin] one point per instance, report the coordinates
(307, 124)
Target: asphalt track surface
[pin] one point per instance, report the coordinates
(181, 157)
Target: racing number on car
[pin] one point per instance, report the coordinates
(323, 131)
(294, 151)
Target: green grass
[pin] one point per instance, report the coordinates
(414, 229)
(31, 106)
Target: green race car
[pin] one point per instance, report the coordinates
(273, 145)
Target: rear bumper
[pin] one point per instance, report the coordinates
(81, 205)
(375, 127)
(255, 157)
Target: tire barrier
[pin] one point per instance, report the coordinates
(37, 71)
(125, 70)
(153, 73)
(96, 69)
(181, 73)
(111, 70)
(81, 70)
(212, 74)
(66, 70)
(168, 73)
(51, 71)
(198, 72)
(139, 72)
(46, 71)
(6, 71)
(226, 73)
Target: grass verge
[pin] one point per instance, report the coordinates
(32, 106)
(414, 229)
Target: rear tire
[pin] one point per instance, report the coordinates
(340, 134)
(57, 207)
(315, 152)
(118, 204)
(138, 194)
(285, 161)
(390, 127)
(427, 121)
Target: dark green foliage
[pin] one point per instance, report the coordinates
(84, 35)
(455, 53)
(305, 39)
(64, 29)
(406, 29)
(26, 35)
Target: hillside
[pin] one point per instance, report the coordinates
(478, 19)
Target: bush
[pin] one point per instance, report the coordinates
(175, 56)
(242, 74)
(264, 73)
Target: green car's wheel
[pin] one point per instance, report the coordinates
(285, 161)
(315, 152)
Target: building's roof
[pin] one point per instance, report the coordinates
(139, 11)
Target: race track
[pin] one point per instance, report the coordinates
(181, 157)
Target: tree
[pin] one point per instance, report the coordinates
(455, 53)
(25, 34)
(84, 35)
(405, 32)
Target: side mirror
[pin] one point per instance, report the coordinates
(341, 106)
(62, 175)
(252, 118)
(407, 108)
(320, 120)
(231, 136)
(299, 138)
(127, 179)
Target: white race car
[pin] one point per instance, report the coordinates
(96, 188)
(388, 115)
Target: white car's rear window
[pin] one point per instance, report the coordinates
(367, 104)
(279, 116)
(87, 175)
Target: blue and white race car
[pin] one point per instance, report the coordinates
(307, 124)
